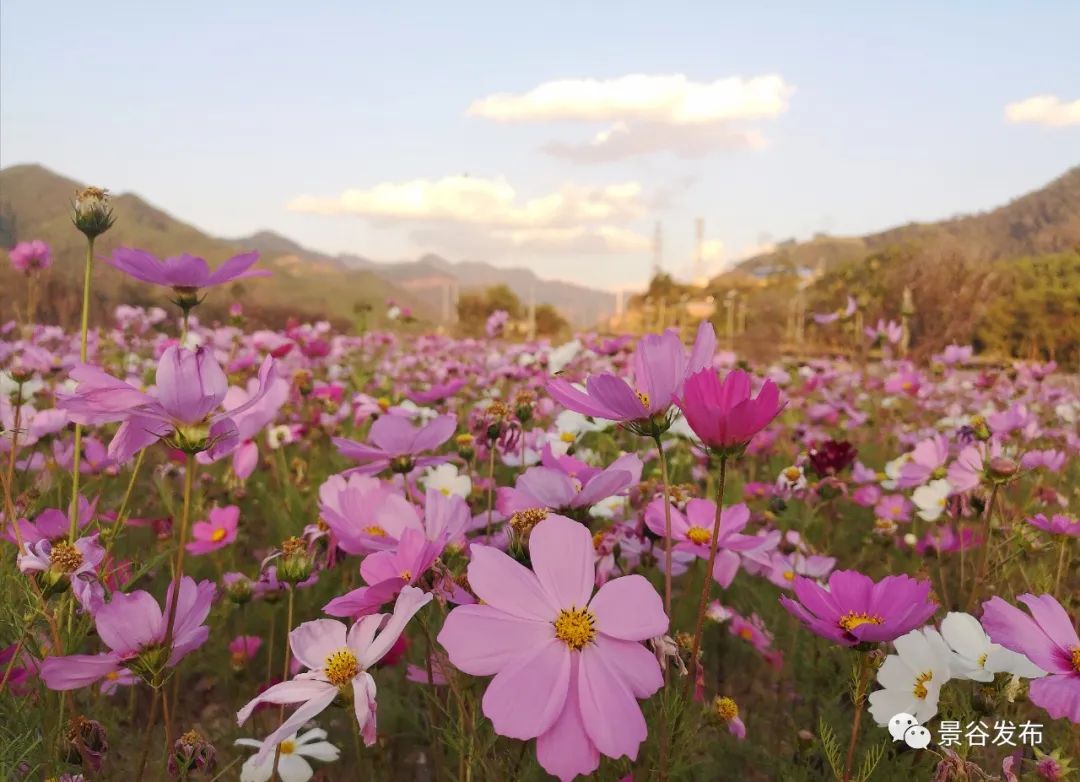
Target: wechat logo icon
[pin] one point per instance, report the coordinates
(904, 727)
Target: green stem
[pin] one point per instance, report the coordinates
(706, 586)
(1064, 546)
(988, 526)
(667, 527)
(859, 699)
(84, 329)
(285, 674)
(178, 570)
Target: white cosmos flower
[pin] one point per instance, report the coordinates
(291, 764)
(445, 478)
(931, 499)
(892, 470)
(559, 357)
(912, 677)
(975, 657)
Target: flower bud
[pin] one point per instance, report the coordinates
(191, 752)
(979, 429)
(464, 444)
(295, 564)
(239, 590)
(91, 212)
(1002, 467)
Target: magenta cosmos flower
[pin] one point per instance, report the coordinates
(133, 627)
(660, 366)
(1049, 640)
(854, 609)
(183, 408)
(386, 574)
(568, 665)
(363, 514)
(337, 659)
(183, 273)
(31, 256)
(692, 533)
(397, 444)
(215, 533)
(1058, 524)
(722, 413)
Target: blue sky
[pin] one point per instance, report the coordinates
(847, 118)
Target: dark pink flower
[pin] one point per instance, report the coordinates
(722, 413)
(854, 609)
(216, 533)
(183, 272)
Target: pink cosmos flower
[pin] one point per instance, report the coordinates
(387, 573)
(722, 413)
(337, 658)
(660, 367)
(823, 318)
(1059, 524)
(894, 507)
(216, 533)
(968, 471)
(183, 272)
(242, 649)
(565, 483)
(1049, 640)
(50, 524)
(927, 463)
(396, 444)
(785, 567)
(133, 628)
(854, 609)
(76, 563)
(363, 514)
(1048, 459)
(30, 256)
(569, 666)
(693, 532)
(183, 408)
(250, 419)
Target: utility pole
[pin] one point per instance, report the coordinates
(658, 249)
(699, 250)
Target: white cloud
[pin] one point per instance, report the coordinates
(591, 240)
(622, 141)
(478, 201)
(666, 99)
(1048, 110)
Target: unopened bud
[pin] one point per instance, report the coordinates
(1002, 467)
(91, 212)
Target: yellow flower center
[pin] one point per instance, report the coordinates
(1076, 658)
(383, 403)
(218, 535)
(112, 676)
(746, 633)
(792, 473)
(375, 531)
(643, 398)
(919, 690)
(576, 627)
(523, 521)
(789, 575)
(65, 557)
(698, 535)
(341, 667)
(445, 491)
(853, 619)
(725, 708)
(567, 437)
(406, 575)
(982, 660)
(598, 539)
(287, 747)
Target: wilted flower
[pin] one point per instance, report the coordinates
(191, 752)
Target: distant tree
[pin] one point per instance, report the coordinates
(474, 307)
(549, 322)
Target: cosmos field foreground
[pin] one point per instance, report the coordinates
(298, 553)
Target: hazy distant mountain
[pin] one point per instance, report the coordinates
(35, 204)
(1043, 221)
(430, 276)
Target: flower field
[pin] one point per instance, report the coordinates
(240, 553)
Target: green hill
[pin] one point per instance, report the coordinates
(35, 204)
